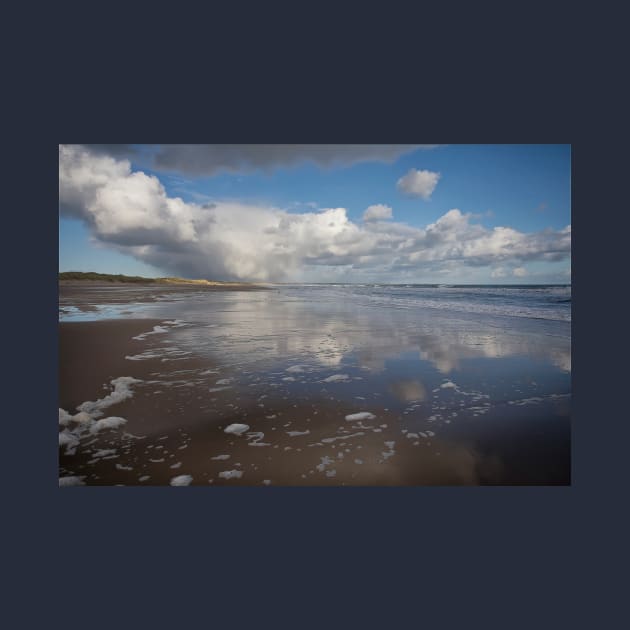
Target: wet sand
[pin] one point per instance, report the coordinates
(297, 433)
(86, 294)
(185, 424)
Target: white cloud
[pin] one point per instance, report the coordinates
(498, 272)
(520, 272)
(377, 212)
(131, 212)
(418, 183)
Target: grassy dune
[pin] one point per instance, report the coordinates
(108, 277)
(103, 277)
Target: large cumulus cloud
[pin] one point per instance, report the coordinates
(130, 211)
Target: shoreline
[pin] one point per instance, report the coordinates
(88, 296)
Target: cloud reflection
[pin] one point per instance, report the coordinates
(268, 326)
(408, 390)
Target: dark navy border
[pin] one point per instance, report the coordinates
(269, 557)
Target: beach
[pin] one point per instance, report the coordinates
(314, 385)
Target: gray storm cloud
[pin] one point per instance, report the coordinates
(210, 159)
(130, 211)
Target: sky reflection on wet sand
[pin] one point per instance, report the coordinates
(458, 397)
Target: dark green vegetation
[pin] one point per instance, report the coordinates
(92, 276)
(103, 277)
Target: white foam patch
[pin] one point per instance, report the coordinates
(64, 417)
(144, 478)
(71, 449)
(143, 356)
(113, 422)
(331, 473)
(526, 401)
(296, 433)
(289, 379)
(164, 354)
(175, 323)
(231, 474)
(66, 438)
(175, 352)
(236, 428)
(358, 461)
(336, 378)
(121, 467)
(177, 465)
(362, 415)
(181, 480)
(221, 457)
(448, 385)
(267, 481)
(325, 462)
(208, 372)
(255, 439)
(105, 452)
(72, 480)
(157, 330)
(82, 418)
(121, 392)
(224, 381)
(342, 437)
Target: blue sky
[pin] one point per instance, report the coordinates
(522, 187)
